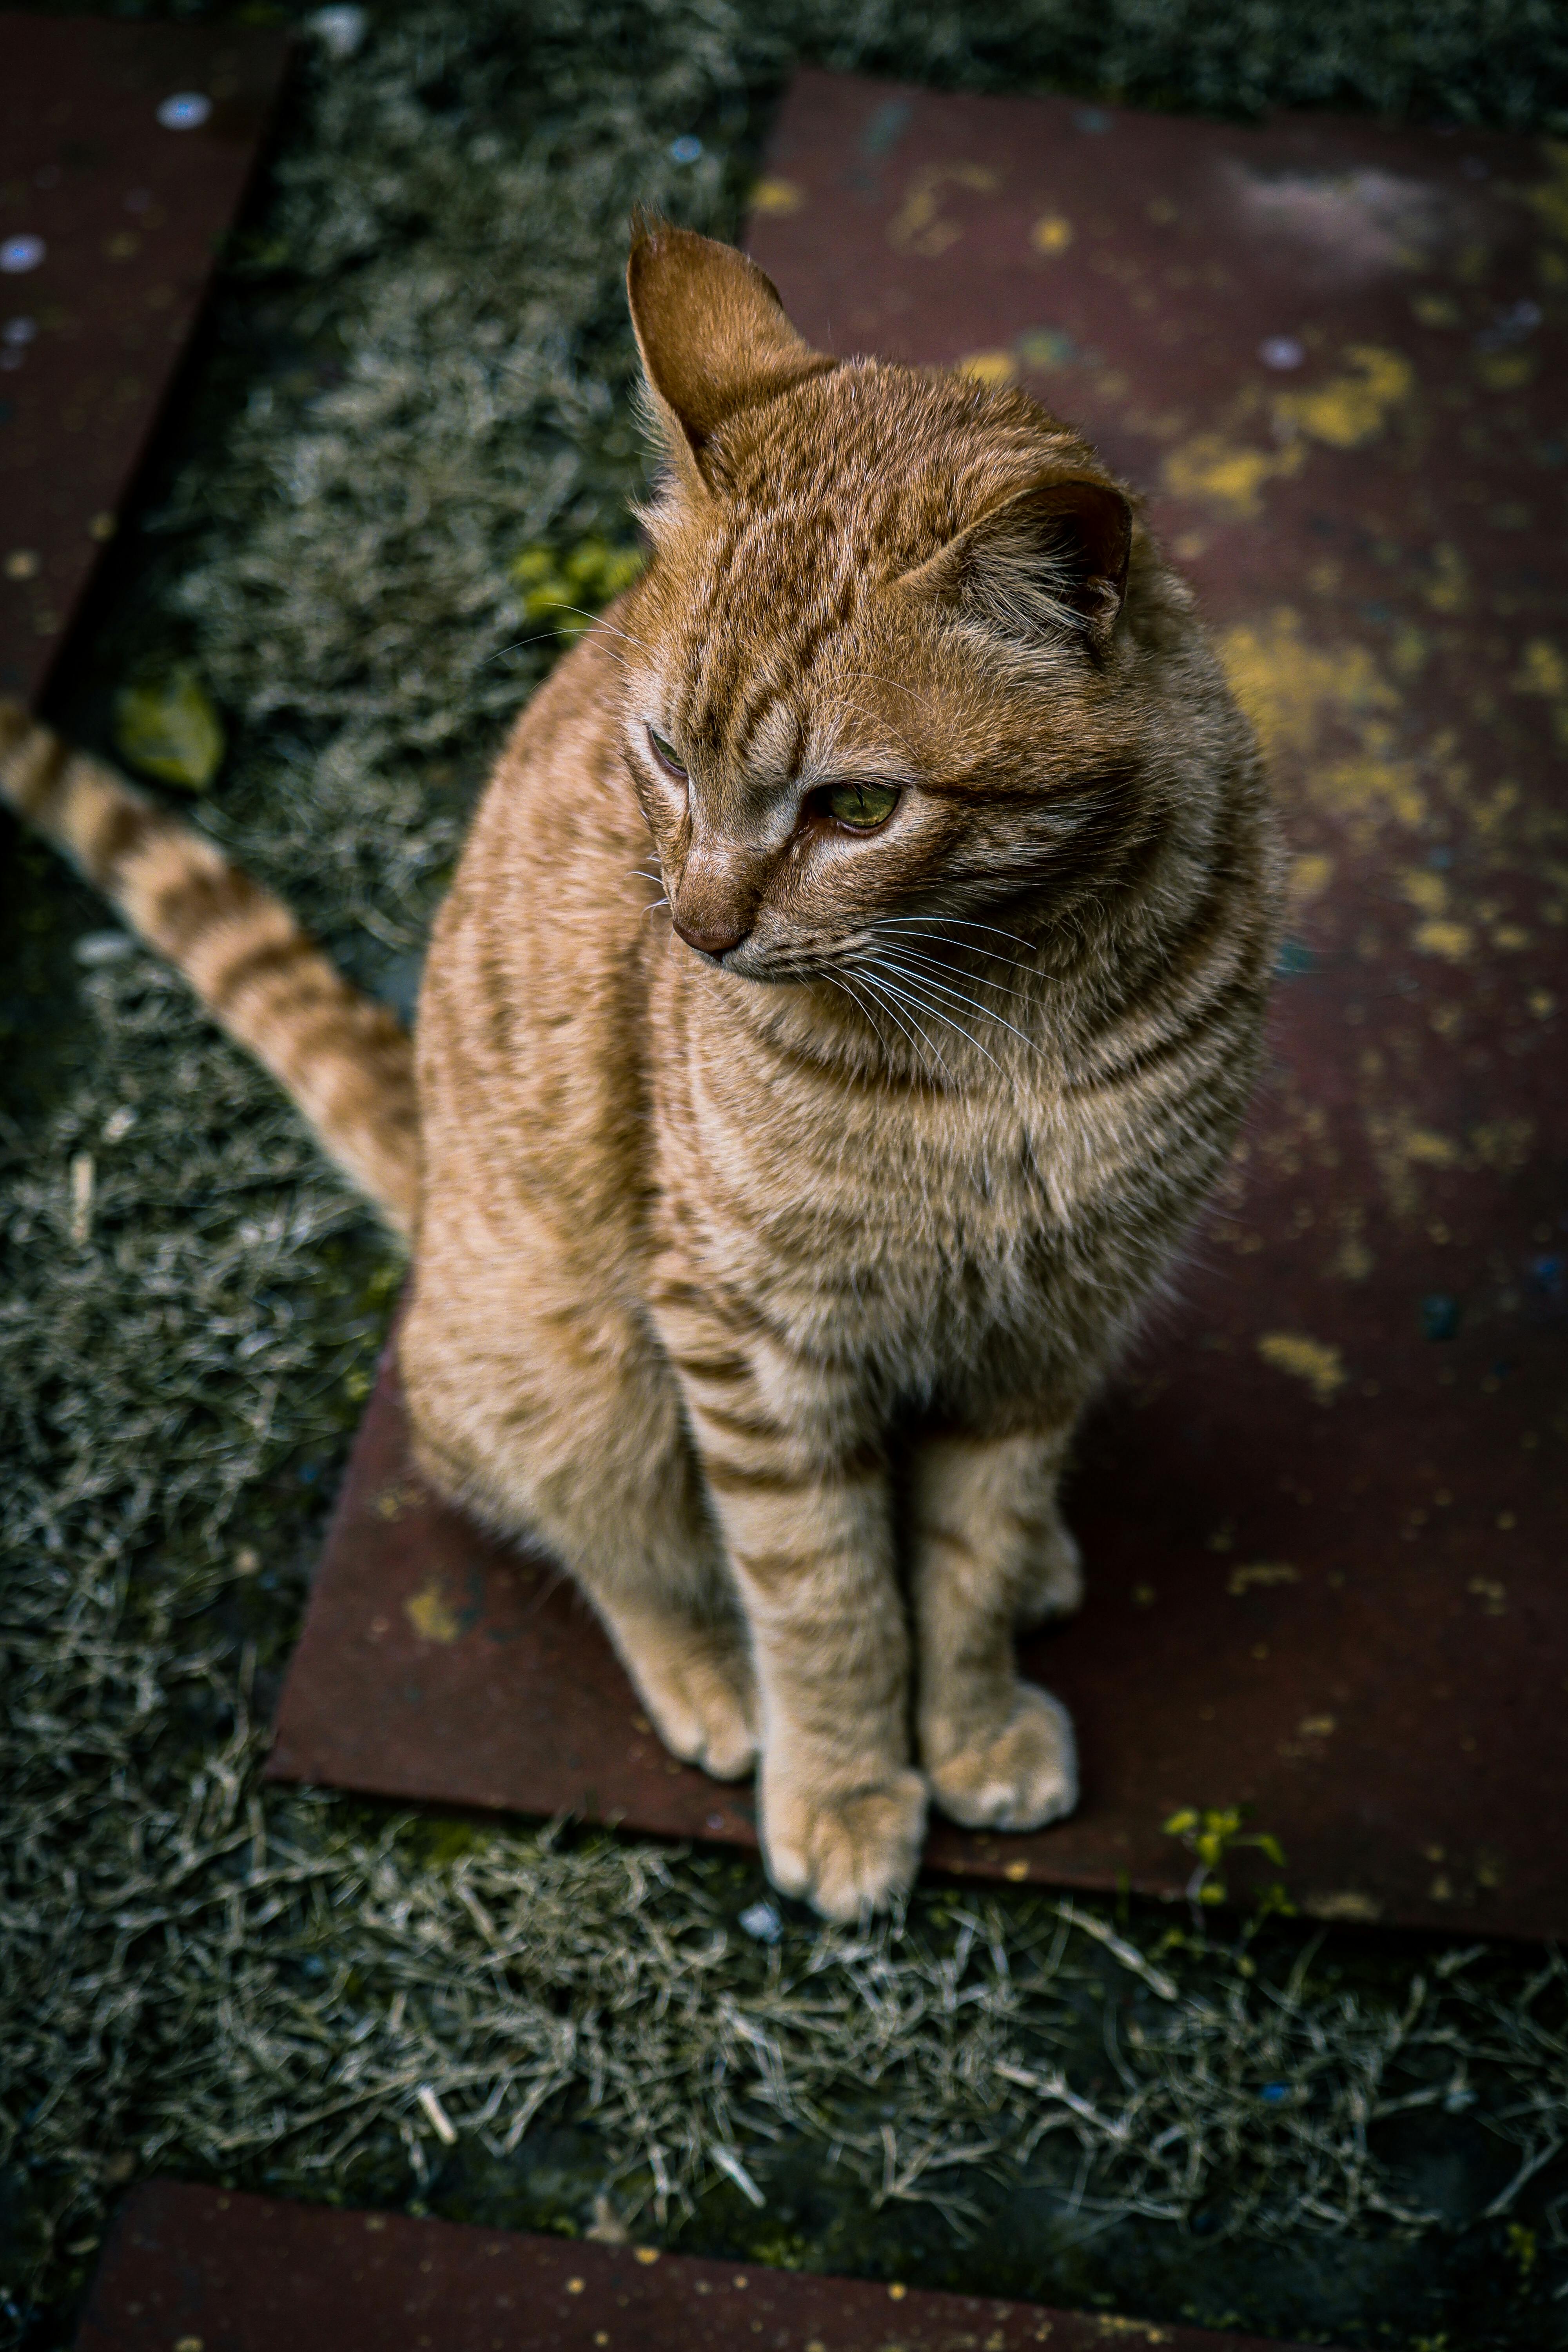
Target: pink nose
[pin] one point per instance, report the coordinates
(712, 939)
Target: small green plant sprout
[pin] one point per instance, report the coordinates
(1524, 2248)
(569, 586)
(1211, 1833)
(166, 725)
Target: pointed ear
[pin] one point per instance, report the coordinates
(713, 334)
(1048, 561)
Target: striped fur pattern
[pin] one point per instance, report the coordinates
(851, 986)
(790, 1187)
(346, 1061)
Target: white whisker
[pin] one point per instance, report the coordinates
(908, 995)
(835, 979)
(890, 998)
(937, 965)
(599, 622)
(916, 979)
(956, 923)
(517, 646)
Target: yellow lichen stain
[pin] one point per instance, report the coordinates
(1504, 1144)
(1492, 1596)
(989, 367)
(1261, 1572)
(1399, 1147)
(1226, 474)
(432, 1615)
(1409, 653)
(1550, 197)
(1426, 890)
(1486, 815)
(1542, 1003)
(1506, 370)
(1437, 310)
(777, 196)
(1285, 683)
(1542, 669)
(1108, 2324)
(1453, 942)
(1510, 938)
(919, 226)
(1350, 409)
(1448, 588)
(1353, 1261)
(1313, 1360)
(1370, 787)
(1310, 875)
(1051, 234)
(1316, 1727)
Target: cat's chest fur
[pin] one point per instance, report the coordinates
(911, 1226)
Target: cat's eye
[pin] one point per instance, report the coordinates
(666, 753)
(862, 807)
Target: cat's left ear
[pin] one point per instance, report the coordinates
(713, 336)
(1047, 560)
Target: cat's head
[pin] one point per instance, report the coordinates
(881, 668)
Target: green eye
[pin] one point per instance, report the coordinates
(861, 807)
(667, 755)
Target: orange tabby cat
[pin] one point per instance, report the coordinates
(776, 1218)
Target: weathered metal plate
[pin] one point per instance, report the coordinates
(1324, 1513)
(199, 2267)
(111, 217)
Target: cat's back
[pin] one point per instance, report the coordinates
(532, 1030)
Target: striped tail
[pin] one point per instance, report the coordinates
(344, 1059)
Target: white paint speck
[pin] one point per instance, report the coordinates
(186, 111)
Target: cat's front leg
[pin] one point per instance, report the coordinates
(990, 1549)
(802, 1500)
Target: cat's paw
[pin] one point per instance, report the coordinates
(850, 1854)
(1016, 1778)
(699, 1695)
(1055, 1587)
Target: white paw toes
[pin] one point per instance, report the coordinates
(848, 1854)
(702, 1708)
(1016, 1778)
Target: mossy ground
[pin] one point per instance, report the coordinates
(418, 372)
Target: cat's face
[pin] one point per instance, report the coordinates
(875, 672)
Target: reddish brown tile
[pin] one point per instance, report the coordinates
(117, 192)
(198, 2270)
(1325, 1512)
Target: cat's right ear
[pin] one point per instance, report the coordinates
(713, 337)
